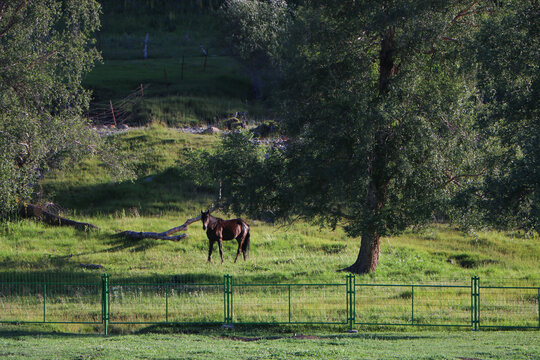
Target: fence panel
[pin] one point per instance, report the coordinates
(290, 303)
(73, 303)
(441, 305)
(259, 303)
(165, 302)
(35, 302)
(383, 304)
(22, 302)
(507, 306)
(195, 303)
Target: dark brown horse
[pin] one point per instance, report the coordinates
(218, 230)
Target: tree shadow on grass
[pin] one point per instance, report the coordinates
(167, 191)
(254, 332)
(15, 331)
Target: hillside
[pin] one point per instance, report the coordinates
(182, 85)
(162, 197)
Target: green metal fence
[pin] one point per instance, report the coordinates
(108, 302)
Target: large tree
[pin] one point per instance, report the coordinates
(380, 111)
(46, 47)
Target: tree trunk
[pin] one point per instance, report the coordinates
(368, 257)
(370, 245)
(32, 211)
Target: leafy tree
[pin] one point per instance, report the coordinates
(257, 32)
(381, 114)
(46, 47)
(507, 54)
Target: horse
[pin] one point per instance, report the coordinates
(218, 230)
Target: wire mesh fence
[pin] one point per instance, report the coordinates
(46, 302)
(289, 303)
(106, 301)
(507, 306)
(165, 302)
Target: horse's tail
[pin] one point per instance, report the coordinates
(245, 245)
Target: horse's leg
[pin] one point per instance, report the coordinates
(220, 243)
(245, 242)
(240, 240)
(210, 248)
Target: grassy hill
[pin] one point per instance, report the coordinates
(182, 87)
(161, 197)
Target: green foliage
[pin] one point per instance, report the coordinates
(45, 49)
(380, 112)
(508, 57)
(257, 29)
(257, 33)
(269, 128)
(376, 142)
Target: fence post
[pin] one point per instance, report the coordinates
(412, 304)
(351, 300)
(290, 301)
(225, 306)
(231, 302)
(475, 303)
(167, 303)
(227, 300)
(105, 297)
(478, 303)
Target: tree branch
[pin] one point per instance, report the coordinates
(33, 211)
(454, 180)
(41, 59)
(2, 10)
(166, 235)
(465, 12)
(11, 22)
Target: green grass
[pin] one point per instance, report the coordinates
(175, 95)
(163, 196)
(159, 185)
(224, 78)
(218, 344)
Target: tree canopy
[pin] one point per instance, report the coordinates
(381, 102)
(507, 50)
(46, 46)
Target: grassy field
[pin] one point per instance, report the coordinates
(163, 195)
(182, 87)
(260, 345)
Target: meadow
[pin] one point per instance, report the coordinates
(163, 193)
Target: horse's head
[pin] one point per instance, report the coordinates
(205, 218)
